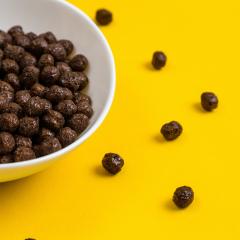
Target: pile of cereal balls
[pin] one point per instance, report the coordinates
(42, 108)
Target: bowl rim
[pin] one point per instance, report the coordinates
(101, 117)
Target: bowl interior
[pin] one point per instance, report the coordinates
(67, 22)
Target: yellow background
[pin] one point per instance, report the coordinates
(75, 199)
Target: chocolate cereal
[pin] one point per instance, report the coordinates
(42, 107)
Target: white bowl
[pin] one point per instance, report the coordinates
(68, 22)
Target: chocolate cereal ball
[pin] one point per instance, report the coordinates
(27, 60)
(73, 80)
(49, 37)
(85, 108)
(38, 90)
(16, 30)
(8, 158)
(28, 126)
(113, 163)
(31, 35)
(49, 75)
(47, 146)
(23, 154)
(45, 60)
(9, 122)
(12, 107)
(22, 41)
(81, 97)
(63, 67)
(22, 97)
(68, 45)
(66, 136)
(66, 107)
(10, 66)
(171, 130)
(5, 38)
(183, 196)
(38, 46)
(57, 51)
(4, 86)
(22, 141)
(13, 52)
(36, 106)
(7, 142)
(78, 122)
(53, 120)
(29, 76)
(209, 101)
(13, 80)
(56, 94)
(104, 17)
(79, 63)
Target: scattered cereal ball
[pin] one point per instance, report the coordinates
(183, 196)
(13, 52)
(49, 75)
(6, 159)
(81, 97)
(209, 101)
(12, 107)
(104, 17)
(28, 126)
(29, 76)
(45, 60)
(38, 90)
(53, 120)
(7, 142)
(10, 66)
(22, 141)
(68, 45)
(79, 63)
(57, 51)
(22, 41)
(49, 37)
(38, 46)
(13, 80)
(36, 106)
(66, 107)
(5, 38)
(15, 30)
(9, 122)
(73, 80)
(4, 86)
(113, 163)
(159, 60)
(66, 136)
(171, 130)
(85, 108)
(22, 97)
(27, 60)
(78, 122)
(63, 67)
(31, 35)
(47, 146)
(23, 154)
(45, 133)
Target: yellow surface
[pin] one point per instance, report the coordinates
(75, 199)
